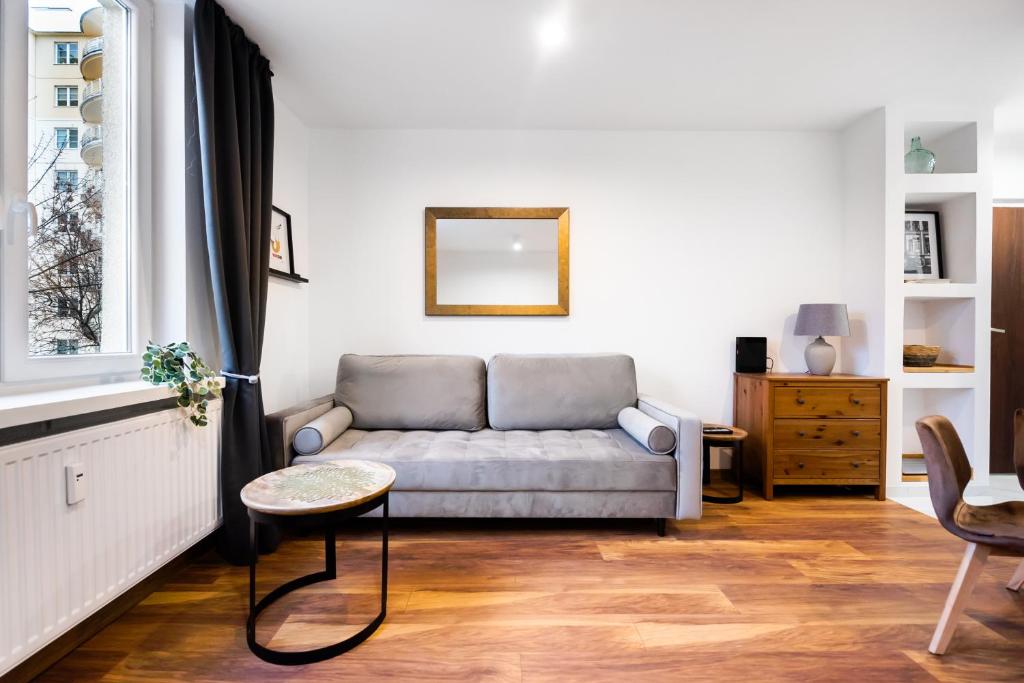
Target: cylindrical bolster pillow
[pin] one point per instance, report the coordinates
(651, 434)
(311, 438)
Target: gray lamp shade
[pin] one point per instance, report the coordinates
(822, 320)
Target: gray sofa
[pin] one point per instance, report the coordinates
(526, 436)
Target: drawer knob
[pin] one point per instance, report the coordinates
(854, 400)
(856, 465)
(801, 434)
(856, 432)
(800, 465)
(800, 401)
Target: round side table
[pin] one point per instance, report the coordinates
(733, 439)
(315, 495)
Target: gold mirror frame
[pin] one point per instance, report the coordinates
(432, 213)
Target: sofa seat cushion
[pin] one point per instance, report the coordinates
(515, 460)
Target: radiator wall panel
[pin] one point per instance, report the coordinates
(152, 491)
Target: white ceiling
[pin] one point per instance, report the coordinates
(631, 64)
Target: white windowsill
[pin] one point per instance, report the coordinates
(19, 409)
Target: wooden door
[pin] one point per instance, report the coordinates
(1007, 332)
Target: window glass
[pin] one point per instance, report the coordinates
(67, 95)
(65, 53)
(78, 178)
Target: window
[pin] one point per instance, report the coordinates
(66, 138)
(66, 347)
(71, 279)
(65, 53)
(65, 180)
(66, 95)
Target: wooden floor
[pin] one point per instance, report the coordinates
(797, 589)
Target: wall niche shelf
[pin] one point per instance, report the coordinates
(954, 143)
(955, 404)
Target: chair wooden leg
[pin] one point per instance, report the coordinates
(970, 569)
(1018, 578)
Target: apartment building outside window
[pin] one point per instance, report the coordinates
(65, 53)
(76, 92)
(66, 95)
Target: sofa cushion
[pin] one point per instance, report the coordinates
(559, 391)
(648, 432)
(490, 460)
(314, 435)
(413, 392)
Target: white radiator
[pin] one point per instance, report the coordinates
(151, 491)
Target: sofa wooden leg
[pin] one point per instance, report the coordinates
(970, 569)
(1018, 578)
(659, 524)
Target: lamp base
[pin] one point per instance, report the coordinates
(820, 357)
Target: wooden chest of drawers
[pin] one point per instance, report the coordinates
(812, 430)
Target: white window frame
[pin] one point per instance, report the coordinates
(56, 52)
(69, 88)
(56, 137)
(57, 174)
(16, 365)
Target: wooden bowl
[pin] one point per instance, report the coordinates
(920, 356)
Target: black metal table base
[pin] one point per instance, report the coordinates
(329, 522)
(737, 466)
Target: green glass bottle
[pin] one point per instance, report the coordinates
(918, 159)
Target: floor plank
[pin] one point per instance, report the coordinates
(803, 588)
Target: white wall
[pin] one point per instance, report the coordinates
(284, 371)
(1008, 165)
(680, 241)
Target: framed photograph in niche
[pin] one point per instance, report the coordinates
(922, 246)
(282, 255)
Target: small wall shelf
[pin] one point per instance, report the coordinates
(925, 291)
(939, 367)
(914, 468)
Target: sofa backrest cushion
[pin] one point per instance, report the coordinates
(584, 391)
(413, 392)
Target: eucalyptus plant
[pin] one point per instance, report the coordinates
(177, 366)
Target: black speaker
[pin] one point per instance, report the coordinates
(751, 354)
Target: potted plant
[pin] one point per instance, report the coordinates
(177, 366)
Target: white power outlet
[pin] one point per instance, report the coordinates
(74, 479)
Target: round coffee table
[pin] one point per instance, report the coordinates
(733, 439)
(315, 495)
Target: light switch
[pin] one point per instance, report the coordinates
(74, 479)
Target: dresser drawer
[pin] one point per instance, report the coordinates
(828, 402)
(828, 434)
(827, 465)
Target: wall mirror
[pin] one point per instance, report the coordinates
(497, 261)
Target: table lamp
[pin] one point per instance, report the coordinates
(820, 320)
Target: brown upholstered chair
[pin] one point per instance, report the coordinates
(988, 529)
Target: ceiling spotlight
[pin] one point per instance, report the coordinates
(552, 32)
(517, 245)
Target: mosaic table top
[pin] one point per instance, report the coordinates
(318, 487)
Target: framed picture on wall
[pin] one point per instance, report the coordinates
(922, 246)
(282, 256)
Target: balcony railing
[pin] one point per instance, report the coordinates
(92, 146)
(90, 105)
(91, 60)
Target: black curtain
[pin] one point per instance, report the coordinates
(236, 138)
